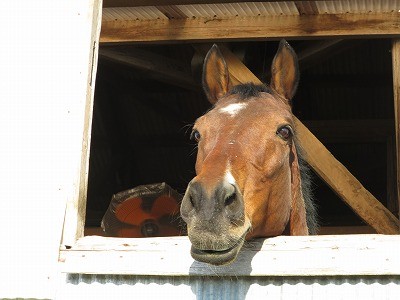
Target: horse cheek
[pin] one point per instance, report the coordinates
(276, 159)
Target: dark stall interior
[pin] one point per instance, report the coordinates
(147, 97)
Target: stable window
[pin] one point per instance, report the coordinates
(147, 94)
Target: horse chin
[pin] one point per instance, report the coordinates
(217, 257)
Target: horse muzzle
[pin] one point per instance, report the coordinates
(216, 221)
(221, 256)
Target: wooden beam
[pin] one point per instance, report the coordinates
(156, 66)
(251, 28)
(324, 164)
(135, 3)
(396, 92)
(279, 256)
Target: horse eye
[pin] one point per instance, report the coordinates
(195, 135)
(285, 132)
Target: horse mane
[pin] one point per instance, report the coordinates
(306, 189)
(249, 90)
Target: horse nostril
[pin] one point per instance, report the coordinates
(229, 200)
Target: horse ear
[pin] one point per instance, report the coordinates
(285, 71)
(298, 220)
(215, 75)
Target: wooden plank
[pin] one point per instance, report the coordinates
(278, 256)
(251, 28)
(135, 3)
(158, 67)
(396, 93)
(324, 164)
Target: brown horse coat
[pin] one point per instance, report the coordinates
(248, 181)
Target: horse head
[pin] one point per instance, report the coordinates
(247, 181)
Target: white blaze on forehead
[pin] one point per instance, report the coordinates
(233, 109)
(229, 177)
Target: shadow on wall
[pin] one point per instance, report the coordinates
(226, 287)
(204, 282)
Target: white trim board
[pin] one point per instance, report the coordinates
(328, 255)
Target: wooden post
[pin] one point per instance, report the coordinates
(324, 164)
(75, 212)
(396, 93)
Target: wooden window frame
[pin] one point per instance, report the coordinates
(325, 255)
(371, 254)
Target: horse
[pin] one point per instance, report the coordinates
(250, 179)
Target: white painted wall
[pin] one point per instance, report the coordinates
(44, 56)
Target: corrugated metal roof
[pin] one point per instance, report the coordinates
(359, 6)
(133, 13)
(250, 9)
(78, 286)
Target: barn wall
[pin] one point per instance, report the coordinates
(229, 288)
(44, 71)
